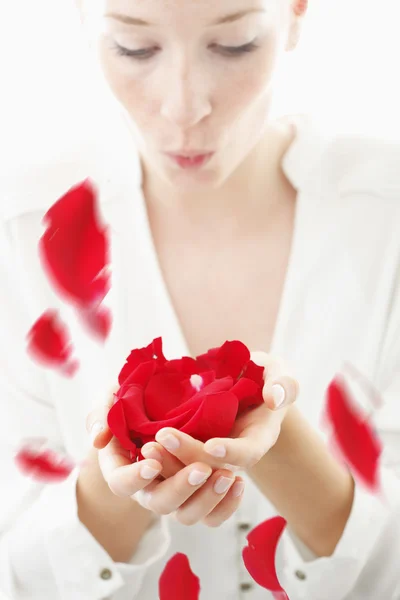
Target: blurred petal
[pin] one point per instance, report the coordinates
(49, 343)
(43, 464)
(177, 581)
(75, 250)
(98, 320)
(353, 434)
(259, 555)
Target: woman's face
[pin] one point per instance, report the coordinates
(193, 75)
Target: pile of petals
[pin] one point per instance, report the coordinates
(74, 251)
(199, 396)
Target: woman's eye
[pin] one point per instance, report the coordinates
(141, 54)
(237, 50)
(146, 53)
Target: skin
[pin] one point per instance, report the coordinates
(189, 94)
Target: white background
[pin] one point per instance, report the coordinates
(345, 73)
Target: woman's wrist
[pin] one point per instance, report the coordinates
(118, 524)
(306, 484)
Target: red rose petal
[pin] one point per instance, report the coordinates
(259, 555)
(97, 320)
(162, 394)
(214, 418)
(185, 365)
(49, 343)
(43, 464)
(138, 356)
(353, 434)
(141, 377)
(216, 386)
(177, 581)
(118, 425)
(74, 248)
(255, 373)
(248, 393)
(229, 359)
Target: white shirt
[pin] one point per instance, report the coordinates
(341, 301)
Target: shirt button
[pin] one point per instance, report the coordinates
(300, 575)
(244, 526)
(106, 574)
(245, 587)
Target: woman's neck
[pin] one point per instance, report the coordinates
(252, 192)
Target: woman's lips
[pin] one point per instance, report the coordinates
(191, 162)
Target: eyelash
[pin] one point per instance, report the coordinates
(146, 54)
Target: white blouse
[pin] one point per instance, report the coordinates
(341, 301)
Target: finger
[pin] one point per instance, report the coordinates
(97, 427)
(252, 444)
(167, 496)
(125, 478)
(228, 506)
(273, 365)
(171, 465)
(206, 499)
(280, 392)
(188, 450)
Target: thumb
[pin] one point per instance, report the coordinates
(280, 390)
(97, 426)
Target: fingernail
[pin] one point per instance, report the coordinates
(238, 488)
(197, 477)
(151, 453)
(169, 441)
(278, 394)
(222, 485)
(217, 451)
(146, 498)
(96, 428)
(147, 472)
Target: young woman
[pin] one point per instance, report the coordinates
(225, 224)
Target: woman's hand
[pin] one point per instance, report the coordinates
(254, 433)
(161, 482)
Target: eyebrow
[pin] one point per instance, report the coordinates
(128, 20)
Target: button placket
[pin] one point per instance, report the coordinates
(244, 525)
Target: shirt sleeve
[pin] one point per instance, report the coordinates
(45, 551)
(365, 563)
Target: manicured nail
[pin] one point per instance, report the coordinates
(278, 394)
(222, 485)
(152, 452)
(147, 472)
(217, 451)
(146, 498)
(197, 477)
(96, 428)
(169, 441)
(238, 488)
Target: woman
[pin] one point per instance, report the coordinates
(270, 233)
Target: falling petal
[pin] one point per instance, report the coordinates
(259, 555)
(98, 321)
(49, 344)
(177, 581)
(74, 251)
(42, 464)
(353, 434)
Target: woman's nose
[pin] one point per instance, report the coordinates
(186, 99)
